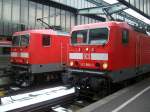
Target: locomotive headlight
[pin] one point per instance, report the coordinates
(92, 49)
(87, 49)
(105, 66)
(71, 63)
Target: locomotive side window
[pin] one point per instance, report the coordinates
(125, 36)
(98, 36)
(79, 37)
(46, 40)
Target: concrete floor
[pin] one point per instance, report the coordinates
(132, 99)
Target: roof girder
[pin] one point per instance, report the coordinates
(101, 6)
(111, 9)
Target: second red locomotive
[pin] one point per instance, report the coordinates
(38, 51)
(107, 52)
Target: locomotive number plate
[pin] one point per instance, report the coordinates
(87, 64)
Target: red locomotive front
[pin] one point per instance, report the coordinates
(107, 52)
(38, 53)
(20, 49)
(92, 54)
(91, 48)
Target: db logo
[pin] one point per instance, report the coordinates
(86, 56)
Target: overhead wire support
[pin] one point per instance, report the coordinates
(107, 10)
(48, 26)
(41, 20)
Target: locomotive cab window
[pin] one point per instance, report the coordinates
(98, 36)
(125, 36)
(20, 40)
(46, 40)
(15, 41)
(24, 41)
(79, 37)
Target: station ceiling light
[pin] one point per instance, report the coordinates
(111, 1)
(130, 12)
(137, 15)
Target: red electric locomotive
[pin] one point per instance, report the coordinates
(38, 51)
(107, 52)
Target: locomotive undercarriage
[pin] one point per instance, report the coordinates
(93, 86)
(97, 83)
(22, 75)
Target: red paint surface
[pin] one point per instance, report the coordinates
(39, 54)
(134, 54)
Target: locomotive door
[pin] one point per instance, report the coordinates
(138, 52)
(62, 51)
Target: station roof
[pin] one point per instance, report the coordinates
(125, 10)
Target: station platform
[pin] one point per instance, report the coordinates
(135, 98)
(37, 101)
